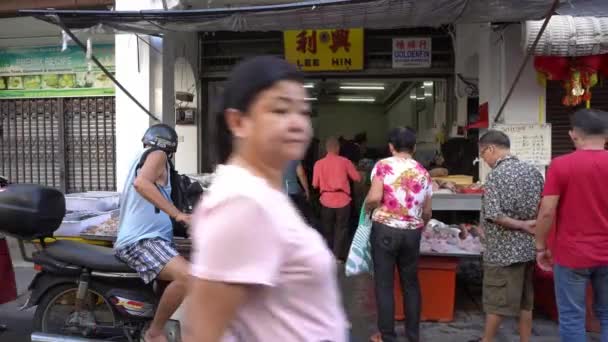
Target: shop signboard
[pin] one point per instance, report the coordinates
(325, 50)
(411, 53)
(49, 72)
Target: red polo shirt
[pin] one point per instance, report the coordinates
(580, 179)
(330, 176)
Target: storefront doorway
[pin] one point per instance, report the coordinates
(348, 103)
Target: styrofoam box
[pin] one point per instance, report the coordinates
(97, 201)
(75, 222)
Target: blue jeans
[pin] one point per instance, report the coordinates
(570, 289)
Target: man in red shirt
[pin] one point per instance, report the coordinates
(575, 198)
(330, 176)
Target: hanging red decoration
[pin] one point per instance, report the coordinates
(603, 69)
(554, 68)
(590, 64)
(583, 76)
(578, 74)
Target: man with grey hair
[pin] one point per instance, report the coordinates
(510, 203)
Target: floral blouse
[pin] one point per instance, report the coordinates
(406, 185)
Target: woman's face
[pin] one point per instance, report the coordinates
(277, 126)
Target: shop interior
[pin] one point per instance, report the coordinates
(362, 111)
(368, 108)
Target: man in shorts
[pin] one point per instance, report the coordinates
(510, 204)
(145, 236)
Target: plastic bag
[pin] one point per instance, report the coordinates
(359, 259)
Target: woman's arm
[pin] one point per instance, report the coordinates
(374, 196)
(303, 180)
(215, 304)
(427, 209)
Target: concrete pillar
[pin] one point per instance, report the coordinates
(466, 51)
(139, 67)
(527, 104)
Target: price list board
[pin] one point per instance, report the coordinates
(530, 142)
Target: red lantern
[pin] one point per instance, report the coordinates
(554, 68)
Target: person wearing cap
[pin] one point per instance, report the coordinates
(145, 229)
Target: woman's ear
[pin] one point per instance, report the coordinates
(234, 122)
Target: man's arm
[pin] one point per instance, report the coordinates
(145, 184)
(352, 171)
(303, 180)
(494, 213)
(546, 217)
(514, 224)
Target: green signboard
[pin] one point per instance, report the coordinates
(50, 72)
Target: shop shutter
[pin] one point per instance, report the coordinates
(66, 143)
(558, 115)
(90, 128)
(31, 141)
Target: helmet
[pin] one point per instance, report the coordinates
(161, 136)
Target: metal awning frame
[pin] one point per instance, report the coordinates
(158, 16)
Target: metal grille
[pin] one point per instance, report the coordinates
(90, 144)
(67, 143)
(558, 115)
(31, 141)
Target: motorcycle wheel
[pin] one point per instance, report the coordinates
(57, 306)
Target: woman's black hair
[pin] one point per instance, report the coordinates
(403, 139)
(244, 84)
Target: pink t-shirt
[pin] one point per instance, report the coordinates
(246, 232)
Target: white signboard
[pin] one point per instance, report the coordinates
(529, 142)
(411, 53)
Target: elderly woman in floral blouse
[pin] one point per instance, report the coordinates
(400, 196)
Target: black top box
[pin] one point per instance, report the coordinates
(29, 211)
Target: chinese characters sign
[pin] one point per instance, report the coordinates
(411, 53)
(530, 143)
(50, 72)
(325, 50)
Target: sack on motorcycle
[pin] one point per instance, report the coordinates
(29, 211)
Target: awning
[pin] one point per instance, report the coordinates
(369, 14)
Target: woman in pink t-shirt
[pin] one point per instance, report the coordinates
(260, 273)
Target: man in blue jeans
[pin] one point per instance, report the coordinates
(575, 198)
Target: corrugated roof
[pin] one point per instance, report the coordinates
(373, 14)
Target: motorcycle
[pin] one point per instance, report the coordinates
(81, 292)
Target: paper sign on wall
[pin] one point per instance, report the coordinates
(411, 53)
(529, 142)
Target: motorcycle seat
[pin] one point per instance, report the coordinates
(95, 258)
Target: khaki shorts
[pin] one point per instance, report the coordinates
(508, 290)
